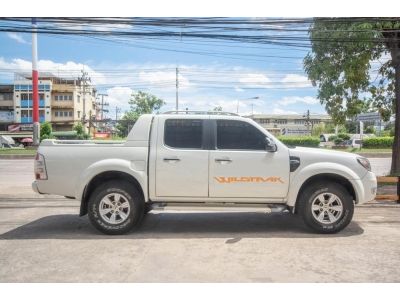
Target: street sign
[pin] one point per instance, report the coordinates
(372, 116)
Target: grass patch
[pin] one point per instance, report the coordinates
(17, 151)
(366, 150)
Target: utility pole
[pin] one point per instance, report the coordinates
(308, 120)
(102, 104)
(84, 79)
(177, 88)
(35, 87)
(117, 110)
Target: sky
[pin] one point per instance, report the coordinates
(211, 73)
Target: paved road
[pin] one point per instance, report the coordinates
(43, 240)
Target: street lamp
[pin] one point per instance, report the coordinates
(252, 98)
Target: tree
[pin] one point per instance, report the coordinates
(80, 133)
(140, 103)
(46, 131)
(217, 108)
(340, 65)
(318, 129)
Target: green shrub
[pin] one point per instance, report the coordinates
(338, 141)
(304, 141)
(46, 131)
(378, 142)
(332, 138)
(343, 136)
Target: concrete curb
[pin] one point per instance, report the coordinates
(17, 156)
(376, 155)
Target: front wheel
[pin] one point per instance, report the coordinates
(116, 207)
(326, 207)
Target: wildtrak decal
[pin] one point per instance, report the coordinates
(272, 179)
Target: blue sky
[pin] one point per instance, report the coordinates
(208, 80)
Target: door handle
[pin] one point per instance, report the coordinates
(167, 159)
(223, 160)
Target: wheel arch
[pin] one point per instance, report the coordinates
(102, 178)
(328, 177)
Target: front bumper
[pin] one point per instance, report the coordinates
(35, 187)
(370, 187)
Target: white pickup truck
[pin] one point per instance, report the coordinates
(202, 161)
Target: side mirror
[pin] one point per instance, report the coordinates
(270, 145)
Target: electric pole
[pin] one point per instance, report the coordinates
(35, 86)
(117, 110)
(177, 88)
(84, 79)
(307, 121)
(102, 104)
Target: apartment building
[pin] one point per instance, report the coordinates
(6, 106)
(62, 101)
(293, 124)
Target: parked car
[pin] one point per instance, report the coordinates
(6, 142)
(202, 161)
(354, 143)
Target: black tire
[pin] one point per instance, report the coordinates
(324, 189)
(128, 192)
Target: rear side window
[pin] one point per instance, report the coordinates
(239, 135)
(183, 133)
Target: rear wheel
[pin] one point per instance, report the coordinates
(116, 207)
(326, 207)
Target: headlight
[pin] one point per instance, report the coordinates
(364, 162)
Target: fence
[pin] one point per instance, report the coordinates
(392, 197)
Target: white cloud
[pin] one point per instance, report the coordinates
(69, 69)
(238, 89)
(295, 81)
(17, 37)
(255, 79)
(295, 99)
(119, 96)
(164, 79)
(279, 111)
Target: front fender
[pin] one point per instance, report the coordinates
(136, 169)
(302, 175)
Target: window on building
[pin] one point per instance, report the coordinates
(70, 113)
(183, 133)
(65, 114)
(78, 99)
(239, 135)
(56, 113)
(25, 96)
(6, 96)
(263, 121)
(279, 121)
(79, 113)
(70, 97)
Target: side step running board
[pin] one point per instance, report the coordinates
(216, 206)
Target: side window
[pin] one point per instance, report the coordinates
(238, 135)
(183, 133)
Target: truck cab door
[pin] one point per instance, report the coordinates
(242, 168)
(181, 169)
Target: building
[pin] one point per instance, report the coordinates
(63, 102)
(6, 106)
(292, 124)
